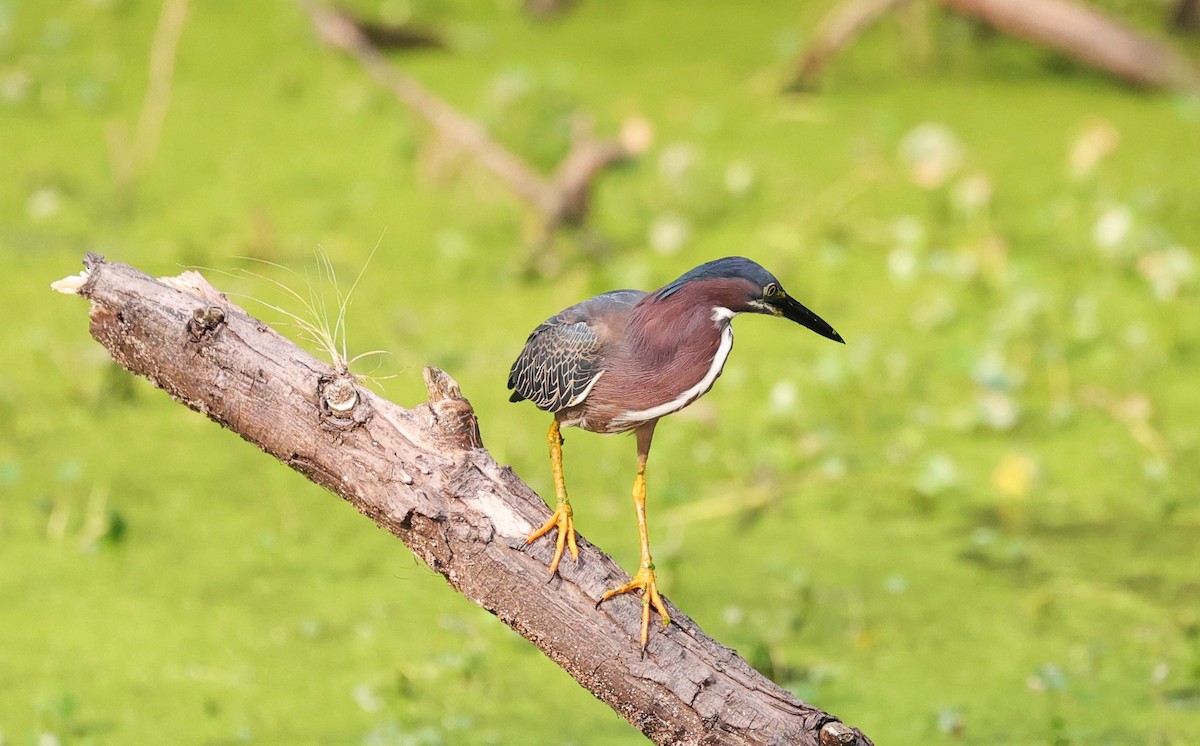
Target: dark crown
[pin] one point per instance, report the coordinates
(728, 268)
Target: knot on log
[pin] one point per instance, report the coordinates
(206, 322)
(452, 413)
(342, 407)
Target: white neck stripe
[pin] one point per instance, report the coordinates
(694, 392)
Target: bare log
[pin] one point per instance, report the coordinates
(424, 475)
(1078, 31)
(558, 201)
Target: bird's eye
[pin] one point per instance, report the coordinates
(771, 290)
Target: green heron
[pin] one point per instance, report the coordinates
(624, 359)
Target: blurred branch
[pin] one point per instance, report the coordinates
(1085, 34)
(560, 200)
(129, 159)
(1134, 412)
(836, 30)
(396, 35)
(545, 9)
(1080, 32)
(424, 475)
(1185, 16)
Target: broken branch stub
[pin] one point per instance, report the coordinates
(424, 475)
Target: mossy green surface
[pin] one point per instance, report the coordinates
(977, 522)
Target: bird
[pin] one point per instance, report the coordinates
(622, 360)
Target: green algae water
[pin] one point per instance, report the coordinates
(978, 522)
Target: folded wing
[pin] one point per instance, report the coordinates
(564, 356)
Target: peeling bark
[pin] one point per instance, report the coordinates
(424, 475)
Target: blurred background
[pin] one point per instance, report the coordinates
(977, 522)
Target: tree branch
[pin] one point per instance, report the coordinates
(424, 475)
(837, 29)
(560, 201)
(130, 158)
(1078, 31)
(1185, 15)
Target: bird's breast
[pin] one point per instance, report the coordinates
(668, 388)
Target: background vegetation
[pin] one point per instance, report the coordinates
(977, 522)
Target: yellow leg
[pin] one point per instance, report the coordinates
(644, 579)
(563, 518)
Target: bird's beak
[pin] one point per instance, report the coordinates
(790, 308)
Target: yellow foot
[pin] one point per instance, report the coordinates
(644, 581)
(564, 521)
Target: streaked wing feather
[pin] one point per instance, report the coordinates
(559, 362)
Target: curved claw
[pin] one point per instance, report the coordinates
(646, 582)
(563, 519)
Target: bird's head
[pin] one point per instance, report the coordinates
(740, 285)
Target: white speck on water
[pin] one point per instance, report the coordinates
(668, 233)
(44, 203)
(739, 178)
(784, 397)
(1112, 228)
